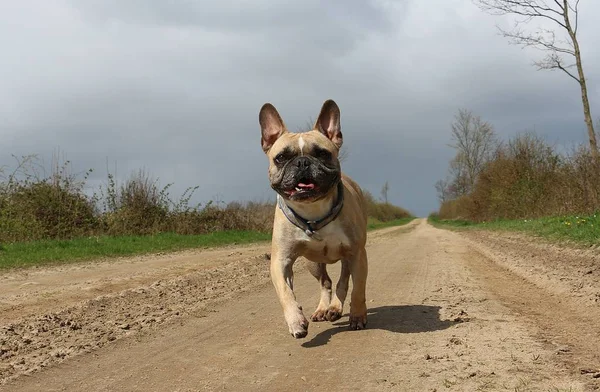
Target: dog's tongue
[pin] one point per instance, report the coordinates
(306, 186)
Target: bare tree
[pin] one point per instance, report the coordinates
(559, 43)
(442, 187)
(476, 143)
(384, 192)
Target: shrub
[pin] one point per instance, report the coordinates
(34, 207)
(383, 212)
(528, 178)
(140, 207)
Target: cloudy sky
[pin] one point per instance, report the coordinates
(176, 86)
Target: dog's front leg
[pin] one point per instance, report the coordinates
(282, 276)
(358, 302)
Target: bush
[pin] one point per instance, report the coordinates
(52, 207)
(383, 212)
(528, 178)
(140, 206)
(34, 207)
(460, 208)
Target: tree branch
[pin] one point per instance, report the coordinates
(574, 10)
(564, 69)
(539, 41)
(558, 12)
(560, 6)
(528, 9)
(553, 61)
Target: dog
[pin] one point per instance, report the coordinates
(321, 214)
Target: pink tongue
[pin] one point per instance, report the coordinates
(309, 186)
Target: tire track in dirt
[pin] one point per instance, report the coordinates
(557, 289)
(36, 342)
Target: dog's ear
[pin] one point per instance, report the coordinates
(271, 125)
(328, 122)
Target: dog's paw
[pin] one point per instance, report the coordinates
(358, 322)
(333, 313)
(298, 325)
(299, 330)
(319, 315)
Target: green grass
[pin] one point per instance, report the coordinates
(36, 253)
(583, 230)
(374, 224)
(25, 254)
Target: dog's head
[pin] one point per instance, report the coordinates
(303, 167)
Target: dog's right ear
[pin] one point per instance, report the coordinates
(271, 125)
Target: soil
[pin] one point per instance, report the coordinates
(448, 311)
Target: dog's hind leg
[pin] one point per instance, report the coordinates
(319, 271)
(334, 312)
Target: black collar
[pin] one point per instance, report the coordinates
(309, 227)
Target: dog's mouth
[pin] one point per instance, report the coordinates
(304, 188)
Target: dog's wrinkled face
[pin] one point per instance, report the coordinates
(303, 167)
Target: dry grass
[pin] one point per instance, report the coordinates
(35, 206)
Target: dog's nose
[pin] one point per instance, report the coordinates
(303, 162)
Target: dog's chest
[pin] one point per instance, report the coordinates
(329, 244)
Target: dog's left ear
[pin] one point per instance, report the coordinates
(328, 122)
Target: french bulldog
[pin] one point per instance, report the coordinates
(321, 214)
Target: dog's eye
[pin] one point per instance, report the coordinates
(280, 158)
(323, 154)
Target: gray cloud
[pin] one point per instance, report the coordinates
(176, 86)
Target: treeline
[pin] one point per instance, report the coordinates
(523, 177)
(60, 205)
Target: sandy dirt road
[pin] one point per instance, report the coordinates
(447, 311)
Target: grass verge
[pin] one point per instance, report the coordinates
(37, 253)
(25, 254)
(578, 229)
